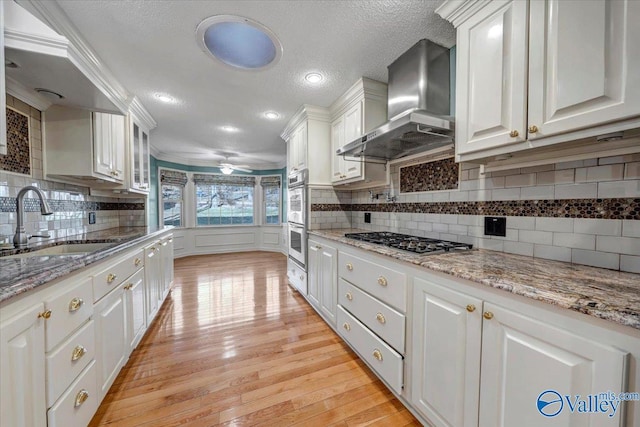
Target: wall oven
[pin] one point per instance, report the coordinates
(297, 219)
(298, 244)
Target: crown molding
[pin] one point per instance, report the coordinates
(159, 155)
(363, 88)
(17, 90)
(458, 11)
(305, 112)
(141, 114)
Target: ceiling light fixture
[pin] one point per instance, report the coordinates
(49, 93)
(239, 42)
(314, 78)
(229, 129)
(271, 115)
(226, 170)
(165, 98)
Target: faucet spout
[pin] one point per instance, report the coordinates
(21, 238)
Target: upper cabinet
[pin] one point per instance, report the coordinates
(535, 74)
(139, 124)
(3, 100)
(308, 144)
(356, 112)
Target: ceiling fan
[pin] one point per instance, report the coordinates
(228, 168)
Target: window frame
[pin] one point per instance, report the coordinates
(161, 199)
(263, 214)
(254, 223)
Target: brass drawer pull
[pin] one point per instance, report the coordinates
(346, 326)
(128, 286)
(45, 314)
(471, 308)
(377, 355)
(81, 397)
(349, 296)
(350, 267)
(164, 243)
(533, 129)
(75, 304)
(78, 352)
(488, 315)
(137, 262)
(171, 240)
(380, 318)
(382, 281)
(111, 277)
(514, 134)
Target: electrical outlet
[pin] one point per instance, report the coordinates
(92, 217)
(367, 217)
(495, 226)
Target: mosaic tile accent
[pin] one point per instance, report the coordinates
(432, 176)
(8, 204)
(18, 157)
(571, 208)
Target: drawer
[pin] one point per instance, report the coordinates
(386, 284)
(68, 311)
(72, 409)
(384, 360)
(386, 322)
(67, 361)
(297, 276)
(109, 278)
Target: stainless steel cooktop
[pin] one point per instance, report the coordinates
(420, 245)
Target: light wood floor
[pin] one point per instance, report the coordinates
(234, 345)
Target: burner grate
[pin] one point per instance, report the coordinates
(421, 245)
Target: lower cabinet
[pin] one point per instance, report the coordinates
(78, 404)
(22, 369)
(323, 279)
(166, 252)
(135, 310)
(153, 279)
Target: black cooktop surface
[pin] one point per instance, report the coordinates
(421, 245)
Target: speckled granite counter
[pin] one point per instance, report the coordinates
(607, 294)
(19, 275)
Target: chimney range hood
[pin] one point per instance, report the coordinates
(417, 107)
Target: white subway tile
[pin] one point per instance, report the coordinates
(521, 180)
(425, 226)
(480, 195)
(458, 196)
(630, 263)
(470, 220)
(570, 165)
(470, 240)
(595, 259)
(521, 222)
(564, 176)
(494, 245)
(448, 236)
(519, 248)
(473, 184)
(605, 173)
(538, 237)
(546, 192)
(555, 224)
(475, 230)
(506, 194)
(606, 227)
(611, 160)
(541, 168)
(576, 191)
(458, 229)
(632, 170)
(631, 228)
(572, 240)
(441, 196)
(619, 189)
(552, 252)
(622, 245)
(449, 219)
(441, 228)
(511, 234)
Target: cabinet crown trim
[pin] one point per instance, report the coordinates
(458, 11)
(141, 114)
(363, 88)
(305, 112)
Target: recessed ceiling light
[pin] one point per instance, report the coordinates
(271, 115)
(49, 93)
(239, 42)
(229, 129)
(165, 98)
(314, 78)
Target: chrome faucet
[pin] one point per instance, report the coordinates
(21, 238)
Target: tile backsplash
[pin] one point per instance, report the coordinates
(585, 212)
(71, 203)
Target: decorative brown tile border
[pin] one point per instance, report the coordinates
(431, 176)
(18, 157)
(569, 208)
(8, 204)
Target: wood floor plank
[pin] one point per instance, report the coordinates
(235, 345)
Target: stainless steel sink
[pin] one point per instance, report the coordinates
(69, 249)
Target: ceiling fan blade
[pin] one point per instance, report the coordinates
(242, 169)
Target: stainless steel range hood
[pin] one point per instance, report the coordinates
(418, 107)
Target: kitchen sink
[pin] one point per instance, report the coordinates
(69, 249)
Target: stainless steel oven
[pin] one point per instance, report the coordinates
(298, 244)
(297, 219)
(297, 198)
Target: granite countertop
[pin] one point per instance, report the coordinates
(19, 275)
(607, 294)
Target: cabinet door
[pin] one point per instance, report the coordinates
(117, 132)
(137, 155)
(152, 274)
(22, 373)
(522, 358)
(445, 367)
(135, 307)
(491, 81)
(352, 130)
(3, 97)
(144, 152)
(101, 144)
(301, 149)
(167, 265)
(313, 276)
(584, 65)
(110, 338)
(328, 266)
(337, 141)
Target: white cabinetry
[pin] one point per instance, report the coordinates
(308, 144)
(153, 279)
(85, 146)
(22, 368)
(139, 123)
(134, 310)
(357, 111)
(323, 275)
(166, 255)
(3, 95)
(532, 74)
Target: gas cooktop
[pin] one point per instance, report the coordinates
(420, 245)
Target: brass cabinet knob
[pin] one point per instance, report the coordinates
(514, 134)
(318, 247)
(75, 304)
(471, 308)
(346, 326)
(78, 352)
(349, 296)
(137, 262)
(382, 281)
(301, 277)
(128, 287)
(377, 355)
(45, 314)
(488, 315)
(533, 129)
(164, 243)
(171, 240)
(111, 277)
(380, 318)
(81, 397)
(350, 267)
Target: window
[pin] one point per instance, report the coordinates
(172, 187)
(271, 199)
(224, 200)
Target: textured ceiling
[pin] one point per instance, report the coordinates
(150, 47)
